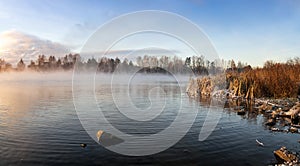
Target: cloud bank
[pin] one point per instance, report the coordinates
(15, 45)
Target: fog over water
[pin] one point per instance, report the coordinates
(68, 76)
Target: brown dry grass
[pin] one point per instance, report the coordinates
(275, 80)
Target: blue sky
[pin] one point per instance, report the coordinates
(250, 31)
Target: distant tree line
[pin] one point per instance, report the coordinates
(146, 64)
(43, 63)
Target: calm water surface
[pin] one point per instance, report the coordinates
(39, 126)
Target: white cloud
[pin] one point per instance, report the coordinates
(15, 45)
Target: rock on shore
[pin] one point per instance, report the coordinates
(294, 112)
(286, 157)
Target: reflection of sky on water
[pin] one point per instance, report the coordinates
(38, 124)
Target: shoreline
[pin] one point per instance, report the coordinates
(282, 114)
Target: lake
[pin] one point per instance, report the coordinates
(39, 124)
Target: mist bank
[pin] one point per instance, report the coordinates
(29, 77)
